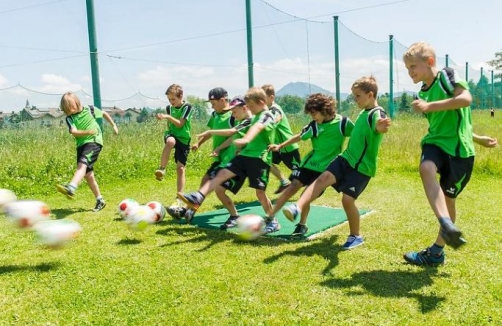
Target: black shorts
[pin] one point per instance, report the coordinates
(233, 184)
(290, 159)
(348, 180)
(213, 169)
(181, 150)
(253, 168)
(304, 175)
(88, 154)
(454, 172)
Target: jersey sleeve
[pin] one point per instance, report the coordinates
(211, 120)
(187, 112)
(449, 78)
(276, 112)
(267, 119)
(168, 109)
(243, 125)
(374, 116)
(309, 131)
(70, 124)
(347, 127)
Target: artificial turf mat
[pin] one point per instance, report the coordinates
(320, 219)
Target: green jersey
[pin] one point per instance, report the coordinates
(364, 142)
(220, 121)
(241, 128)
(183, 134)
(282, 129)
(84, 120)
(327, 140)
(258, 146)
(450, 130)
(97, 113)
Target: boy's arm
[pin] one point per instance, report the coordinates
(295, 139)
(111, 122)
(218, 132)
(200, 141)
(250, 135)
(224, 145)
(81, 133)
(178, 123)
(382, 125)
(461, 98)
(485, 141)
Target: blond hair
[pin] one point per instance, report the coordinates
(269, 89)
(366, 84)
(421, 51)
(175, 90)
(70, 103)
(255, 94)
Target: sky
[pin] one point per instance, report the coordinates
(145, 46)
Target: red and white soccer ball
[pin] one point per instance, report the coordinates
(55, 234)
(250, 227)
(140, 217)
(125, 207)
(159, 209)
(6, 197)
(26, 213)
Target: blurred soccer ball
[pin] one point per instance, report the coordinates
(6, 197)
(250, 227)
(56, 233)
(126, 206)
(139, 218)
(25, 213)
(159, 209)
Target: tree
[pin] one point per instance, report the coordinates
(199, 107)
(291, 103)
(143, 116)
(405, 102)
(496, 63)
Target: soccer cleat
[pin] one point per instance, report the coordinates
(352, 242)
(451, 234)
(291, 212)
(230, 223)
(176, 212)
(189, 215)
(300, 230)
(100, 204)
(272, 225)
(193, 200)
(66, 190)
(159, 174)
(281, 188)
(424, 258)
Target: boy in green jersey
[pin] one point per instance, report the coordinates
(351, 171)
(178, 115)
(447, 148)
(289, 155)
(253, 161)
(89, 141)
(327, 131)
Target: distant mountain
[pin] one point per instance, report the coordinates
(302, 89)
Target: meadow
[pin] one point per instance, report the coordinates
(178, 274)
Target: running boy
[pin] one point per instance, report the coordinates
(178, 115)
(289, 154)
(327, 131)
(351, 171)
(447, 148)
(89, 141)
(253, 161)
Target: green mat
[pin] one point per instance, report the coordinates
(320, 219)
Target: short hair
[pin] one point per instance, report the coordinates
(68, 100)
(269, 89)
(322, 103)
(255, 94)
(419, 50)
(366, 84)
(175, 90)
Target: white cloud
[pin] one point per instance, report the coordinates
(3, 82)
(55, 84)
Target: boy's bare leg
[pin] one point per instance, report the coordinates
(353, 215)
(265, 202)
(313, 191)
(290, 191)
(180, 174)
(226, 200)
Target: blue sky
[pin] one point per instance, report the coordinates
(145, 46)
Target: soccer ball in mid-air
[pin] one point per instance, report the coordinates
(6, 197)
(55, 234)
(126, 206)
(140, 217)
(25, 213)
(250, 227)
(159, 209)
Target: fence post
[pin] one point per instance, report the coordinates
(391, 76)
(337, 63)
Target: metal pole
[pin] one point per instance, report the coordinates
(447, 59)
(391, 76)
(467, 71)
(93, 51)
(249, 43)
(493, 91)
(337, 62)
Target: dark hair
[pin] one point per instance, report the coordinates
(367, 84)
(318, 102)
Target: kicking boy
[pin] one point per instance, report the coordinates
(447, 148)
(253, 161)
(289, 154)
(89, 140)
(327, 131)
(351, 171)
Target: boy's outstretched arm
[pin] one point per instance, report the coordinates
(275, 148)
(250, 135)
(383, 124)
(218, 132)
(111, 122)
(461, 98)
(485, 141)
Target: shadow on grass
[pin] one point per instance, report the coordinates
(60, 213)
(388, 284)
(324, 247)
(128, 242)
(45, 267)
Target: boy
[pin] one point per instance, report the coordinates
(448, 147)
(89, 141)
(327, 132)
(289, 154)
(177, 136)
(351, 171)
(253, 161)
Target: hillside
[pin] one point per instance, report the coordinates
(302, 89)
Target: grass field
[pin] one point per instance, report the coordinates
(177, 274)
